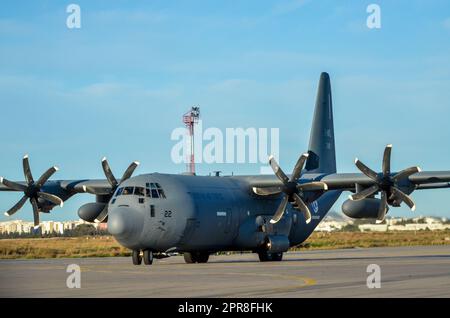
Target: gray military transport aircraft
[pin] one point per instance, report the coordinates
(156, 214)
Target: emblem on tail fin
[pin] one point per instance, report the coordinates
(315, 207)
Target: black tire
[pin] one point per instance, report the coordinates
(196, 257)
(277, 257)
(148, 257)
(202, 258)
(189, 258)
(137, 258)
(265, 256)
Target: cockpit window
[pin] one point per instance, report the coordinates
(160, 191)
(127, 190)
(154, 191)
(139, 191)
(119, 192)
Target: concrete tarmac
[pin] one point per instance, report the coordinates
(405, 272)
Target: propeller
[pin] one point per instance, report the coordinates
(114, 184)
(291, 188)
(388, 185)
(32, 191)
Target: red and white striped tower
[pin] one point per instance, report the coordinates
(190, 119)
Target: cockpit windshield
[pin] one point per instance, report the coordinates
(139, 191)
(151, 190)
(127, 191)
(154, 190)
(119, 192)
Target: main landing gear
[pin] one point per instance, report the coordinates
(196, 257)
(265, 256)
(146, 255)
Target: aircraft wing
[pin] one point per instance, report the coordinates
(347, 181)
(70, 187)
(422, 180)
(431, 180)
(429, 186)
(98, 187)
(45, 194)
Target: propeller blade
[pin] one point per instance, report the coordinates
(277, 170)
(266, 191)
(27, 170)
(387, 160)
(313, 186)
(365, 193)
(391, 195)
(35, 206)
(52, 198)
(17, 206)
(405, 173)
(366, 170)
(13, 185)
(303, 207)
(280, 211)
(102, 216)
(383, 207)
(403, 197)
(299, 167)
(108, 173)
(128, 173)
(47, 174)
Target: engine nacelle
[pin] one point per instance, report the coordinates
(363, 209)
(90, 211)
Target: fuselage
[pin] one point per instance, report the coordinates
(177, 213)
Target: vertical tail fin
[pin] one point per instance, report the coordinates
(322, 153)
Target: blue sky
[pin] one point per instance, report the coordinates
(118, 86)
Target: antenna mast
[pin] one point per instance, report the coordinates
(190, 119)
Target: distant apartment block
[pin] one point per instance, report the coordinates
(47, 227)
(391, 224)
(327, 225)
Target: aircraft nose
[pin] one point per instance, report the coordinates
(125, 223)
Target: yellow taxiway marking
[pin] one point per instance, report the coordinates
(302, 282)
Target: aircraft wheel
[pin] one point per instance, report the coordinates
(202, 257)
(148, 257)
(189, 258)
(277, 257)
(265, 256)
(196, 257)
(137, 258)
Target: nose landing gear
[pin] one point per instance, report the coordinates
(137, 258)
(147, 256)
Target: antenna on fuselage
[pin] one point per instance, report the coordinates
(190, 119)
